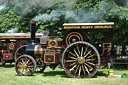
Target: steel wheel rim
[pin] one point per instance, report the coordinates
(25, 66)
(78, 66)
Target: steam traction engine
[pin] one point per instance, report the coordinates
(9, 42)
(79, 58)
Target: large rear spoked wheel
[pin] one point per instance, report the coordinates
(25, 65)
(81, 60)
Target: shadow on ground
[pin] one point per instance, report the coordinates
(8, 66)
(27, 76)
(100, 73)
(63, 74)
(55, 73)
(120, 67)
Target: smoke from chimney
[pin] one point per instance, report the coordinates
(81, 15)
(90, 14)
(49, 17)
(3, 2)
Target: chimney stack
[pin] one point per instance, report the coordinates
(33, 30)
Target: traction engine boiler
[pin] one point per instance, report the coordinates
(80, 59)
(49, 49)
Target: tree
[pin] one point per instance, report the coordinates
(9, 19)
(18, 15)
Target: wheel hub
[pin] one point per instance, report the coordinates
(24, 66)
(81, 60)
(74, 40)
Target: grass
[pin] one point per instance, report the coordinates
(8, 76)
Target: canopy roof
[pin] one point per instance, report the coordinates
(88, 25)
(18, 35)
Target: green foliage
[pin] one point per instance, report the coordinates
(112, 12)
(119, 15)
(12, 16)
(9, 18)
(85, 3)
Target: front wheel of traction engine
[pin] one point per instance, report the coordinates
(25, 65)
(81, 60)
